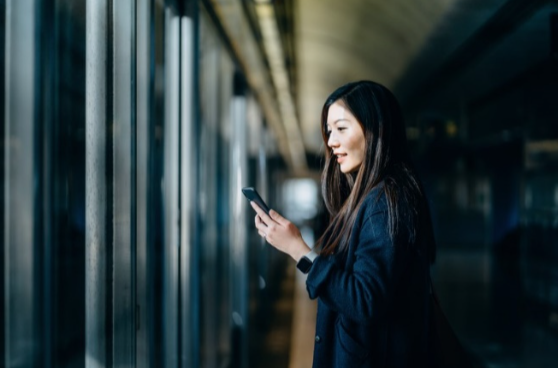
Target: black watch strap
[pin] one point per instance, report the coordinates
(306, 262)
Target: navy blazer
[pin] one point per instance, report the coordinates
(372, 299)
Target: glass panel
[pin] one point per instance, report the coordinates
(145, 223)
(20, 328)
(210, 54)
(223, 165)
(124, 304)
(223, 181)
(62, 64)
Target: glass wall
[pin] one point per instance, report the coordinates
(124, 151)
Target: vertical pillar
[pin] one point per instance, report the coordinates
(110, 184)
(239, 239)
(171, 189)
(96, 341)
(188, 144)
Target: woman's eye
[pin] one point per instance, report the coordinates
(341, 129)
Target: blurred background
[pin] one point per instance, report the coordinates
(128, 128)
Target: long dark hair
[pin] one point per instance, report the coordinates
(386, 160)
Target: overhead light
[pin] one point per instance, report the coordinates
(280, 77)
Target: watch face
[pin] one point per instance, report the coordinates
(304, 265)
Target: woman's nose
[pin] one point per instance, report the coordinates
(332, 141)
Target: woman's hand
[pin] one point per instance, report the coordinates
(280, 232)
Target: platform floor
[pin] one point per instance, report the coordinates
(304, 322)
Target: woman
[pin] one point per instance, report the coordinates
(371, 273)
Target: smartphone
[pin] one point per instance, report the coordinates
(253, 195)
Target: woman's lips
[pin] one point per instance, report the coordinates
(340, 158)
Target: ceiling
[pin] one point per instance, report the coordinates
(425, 51)
(342, 41)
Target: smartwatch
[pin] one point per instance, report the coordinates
(306, 262)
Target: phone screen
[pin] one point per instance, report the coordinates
(254, 196)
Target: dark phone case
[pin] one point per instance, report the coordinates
(253, 195)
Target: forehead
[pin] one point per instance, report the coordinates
(338, 111)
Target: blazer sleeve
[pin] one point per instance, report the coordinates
(364, 293)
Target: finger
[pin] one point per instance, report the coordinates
(264, 217)
(262, 234)
(260, 222)
(278, 218)
(260, 225)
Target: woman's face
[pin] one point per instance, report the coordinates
(345, 138)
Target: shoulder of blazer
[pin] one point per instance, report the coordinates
(374, 202)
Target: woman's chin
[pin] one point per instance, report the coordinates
(348, 169)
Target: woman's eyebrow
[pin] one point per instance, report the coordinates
(337, 121)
